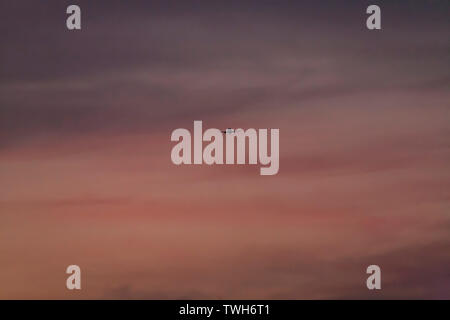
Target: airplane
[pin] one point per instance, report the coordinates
(228, 130)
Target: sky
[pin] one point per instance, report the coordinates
(86, 175)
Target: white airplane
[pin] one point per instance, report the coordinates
(228, 131)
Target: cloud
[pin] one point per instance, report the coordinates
(85, 123)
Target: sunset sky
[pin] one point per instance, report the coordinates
(86, 175)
